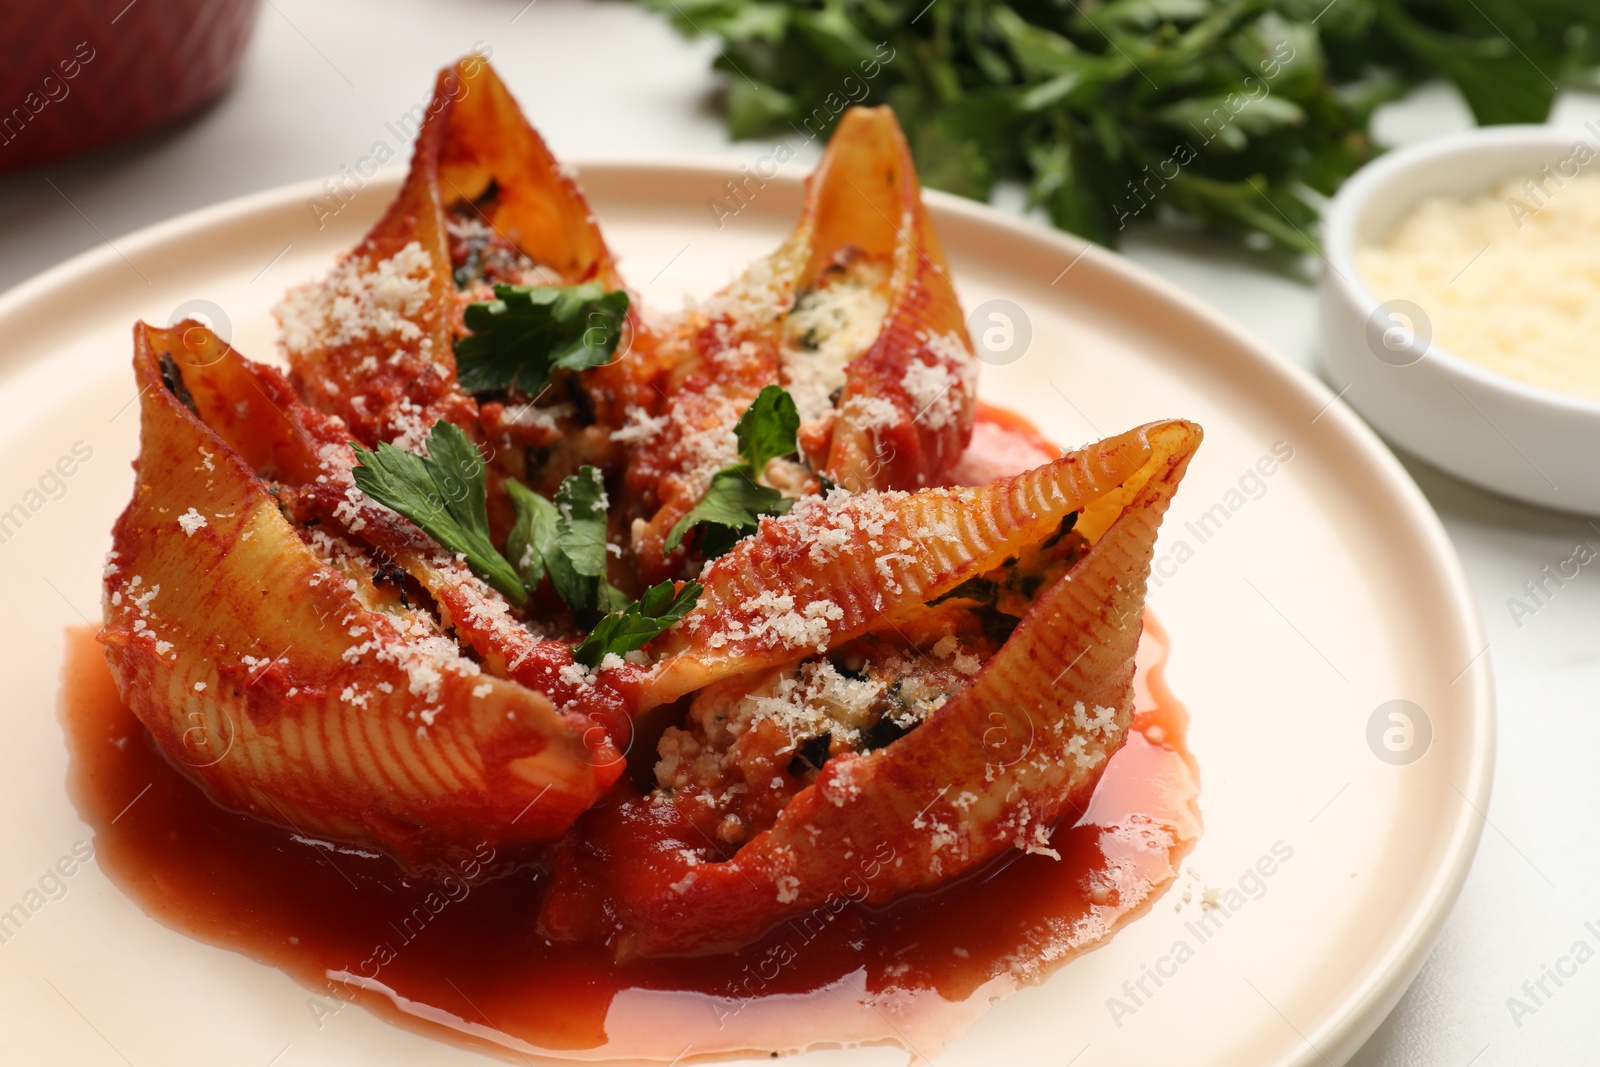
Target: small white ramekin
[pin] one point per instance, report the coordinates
(1522, 440)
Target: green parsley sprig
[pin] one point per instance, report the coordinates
(521, 338)
(623, 631)
(566, 540)
(442, 492)
(734, 502)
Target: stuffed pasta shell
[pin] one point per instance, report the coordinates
(854, 316)
(293, 672)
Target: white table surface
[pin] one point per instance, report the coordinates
(321, 80)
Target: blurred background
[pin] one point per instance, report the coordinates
(124, 114)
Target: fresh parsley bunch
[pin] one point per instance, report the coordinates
(1235, 114)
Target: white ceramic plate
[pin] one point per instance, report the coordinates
(1298, 605)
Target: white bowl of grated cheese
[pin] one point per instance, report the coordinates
(1460, 311)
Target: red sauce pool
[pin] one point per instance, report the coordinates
(463, 962)
(1003, 443)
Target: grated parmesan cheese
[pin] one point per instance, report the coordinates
(359, 301)
(191, 521)
(872, 413)
(780, 622)
(641, 426)
(929, 386)
(788, 888)
(1509, 280)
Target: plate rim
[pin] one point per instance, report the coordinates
(1348, 1021)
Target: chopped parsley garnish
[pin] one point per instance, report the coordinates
(443, 493)
(768, 427)
(735, 501)
(566, 540)
(882, 733)
(533, 528)
(520, 339)
(731, 509)
(623, 631)
(978, 588)
(811, 753)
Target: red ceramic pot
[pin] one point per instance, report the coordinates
(79, 73)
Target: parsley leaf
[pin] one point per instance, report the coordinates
(628, 629)
(533, 529)
(767, 428)
(734, 501)
(443, 493)
(521, 338)
(566, 540)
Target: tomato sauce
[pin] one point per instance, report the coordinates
(460, 958)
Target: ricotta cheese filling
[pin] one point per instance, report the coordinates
(831, 324)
